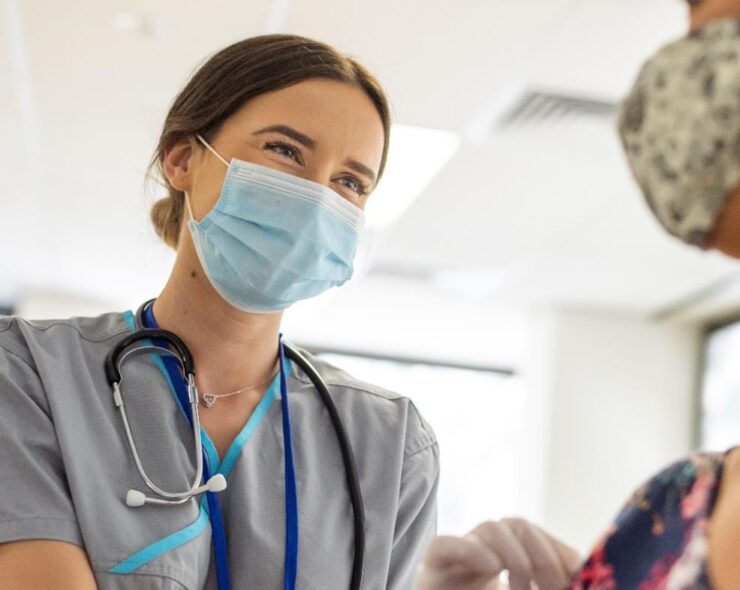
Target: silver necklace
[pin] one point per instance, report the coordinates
(211, 398)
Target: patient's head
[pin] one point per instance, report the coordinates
(680, 128)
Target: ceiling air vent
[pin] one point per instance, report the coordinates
(542, 108)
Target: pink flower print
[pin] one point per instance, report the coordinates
(658, 527)
(659, 574)
(596, 574)
(696, 501)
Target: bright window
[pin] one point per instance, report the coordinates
(477, 417)
(721, 389)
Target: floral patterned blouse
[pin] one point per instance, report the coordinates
(659, 540)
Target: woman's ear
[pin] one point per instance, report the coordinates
(725, 235)
(176, 165)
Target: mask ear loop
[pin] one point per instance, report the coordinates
(210, 149)
(215, 153)
(187, 204)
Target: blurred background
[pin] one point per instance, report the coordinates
(511, 280)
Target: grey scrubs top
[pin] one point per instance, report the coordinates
(65, 468)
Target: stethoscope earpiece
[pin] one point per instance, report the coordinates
(135, 498)
(113, 363)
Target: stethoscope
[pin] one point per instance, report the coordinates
(179, 357)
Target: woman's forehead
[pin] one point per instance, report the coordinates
(327, 111)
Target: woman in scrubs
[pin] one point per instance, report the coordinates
(680, 127)
(270, 120)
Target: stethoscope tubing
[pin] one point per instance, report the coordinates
(348, 457)
(112, 367)
(113, 374)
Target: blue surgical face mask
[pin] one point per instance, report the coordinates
(274, 238)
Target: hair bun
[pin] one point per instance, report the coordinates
(166, 215)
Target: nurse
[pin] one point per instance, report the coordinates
(269, 155)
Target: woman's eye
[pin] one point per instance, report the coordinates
(354, 185)
(285, 150)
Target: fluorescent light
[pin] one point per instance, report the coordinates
(415, 157)
(20, 84)
(471, 282)
(137, 23)
(277, 16)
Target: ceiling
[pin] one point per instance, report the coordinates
(544, 214)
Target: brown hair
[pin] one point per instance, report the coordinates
(232, 77)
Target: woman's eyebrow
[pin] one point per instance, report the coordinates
(301, 138)
(306, 141)
(361, 168)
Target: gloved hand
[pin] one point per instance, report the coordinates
(475, 561)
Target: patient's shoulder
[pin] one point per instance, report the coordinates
(724, 527)
(662, 530)
(676, 498)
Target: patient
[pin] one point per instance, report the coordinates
(680, 128)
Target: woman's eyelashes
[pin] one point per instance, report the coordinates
(291, 152)
(285, 150)
(354, 184)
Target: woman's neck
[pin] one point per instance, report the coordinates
(712, 10)
(231, 349)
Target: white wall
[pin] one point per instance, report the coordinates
(397, 317)
(610, 398)
(613, 401)
(49, 304)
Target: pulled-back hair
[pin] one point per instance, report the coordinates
(234, 76)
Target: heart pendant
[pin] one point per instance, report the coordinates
(209, 400)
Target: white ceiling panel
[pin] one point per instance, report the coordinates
(596, 47)
(548, 213)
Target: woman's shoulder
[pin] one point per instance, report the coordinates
(338, 377)
(33, 349)
(372, 404)
(20, 336)
(661, 531)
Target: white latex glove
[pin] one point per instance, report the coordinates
(475, 561)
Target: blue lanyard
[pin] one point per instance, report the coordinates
(218, 531)
(291, 493)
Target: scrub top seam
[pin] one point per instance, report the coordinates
(422, 449)
(166, 544)
(6, 521)
(11, 322)
(423, 425)
(178, 575)
(360, 388)
(65, 530)
(20, 358)
(428, 434)
(45, 408)
(62, 323)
